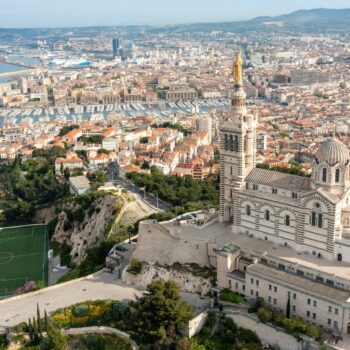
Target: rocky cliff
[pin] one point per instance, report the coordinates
(187, 281)
(83, 221)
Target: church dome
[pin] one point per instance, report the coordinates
(332, 152)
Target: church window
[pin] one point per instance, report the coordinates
(324, 175)
(274, 190)
(248, 210)
(294, 195)
(255, 187)
(287, 220)
(235, 144)
(267, 215)
(231, 170)
(226, 142)
(313, 219)
(320, 220)
(340, 258)
(337, 175)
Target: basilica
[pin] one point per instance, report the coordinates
(310, 215)
(281, 237)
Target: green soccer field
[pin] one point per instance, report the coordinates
(23, 256)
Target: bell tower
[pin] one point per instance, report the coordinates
(237, 147)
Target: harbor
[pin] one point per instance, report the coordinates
(98, 113)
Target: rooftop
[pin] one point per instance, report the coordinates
(280, 180)
(299, 282)
(80, 181)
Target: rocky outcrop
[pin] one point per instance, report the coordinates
(83, 224)
(187, 282)
(45, 215)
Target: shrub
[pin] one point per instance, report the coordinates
(94, 343)
(248, 337)
(265, 315)
(209, 323)
(90, 313)
(231, 297)
(67, 226)
(135, 266)
(81, 310)
(229, 324)
(79, 215)
(292, 325)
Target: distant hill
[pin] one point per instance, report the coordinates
(302, 20)
(317, 17)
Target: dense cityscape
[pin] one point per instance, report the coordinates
(176, 187)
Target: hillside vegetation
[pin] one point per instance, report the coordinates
(184, 193)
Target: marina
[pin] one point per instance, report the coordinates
(98, 113)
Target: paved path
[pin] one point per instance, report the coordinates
(146, 196)
(101, 285)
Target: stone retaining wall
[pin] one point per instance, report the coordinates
(101, 330)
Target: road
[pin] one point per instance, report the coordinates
(101, 285)
(148, 197)
(113, 175)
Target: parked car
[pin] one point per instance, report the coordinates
(121, 248)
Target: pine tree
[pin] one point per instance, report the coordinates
(45, 321)
(288, 307)
(30, 329)
(38, 320)
(35, 330)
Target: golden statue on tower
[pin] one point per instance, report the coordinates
(237, 69)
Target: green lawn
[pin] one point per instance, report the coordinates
(23, 256)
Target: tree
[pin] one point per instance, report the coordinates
(66, 173)
(144, 139)
(288, 307)
(56, 340)
(45, 321)
(66, 129)
(145, 165)
(102, 151)
(38, 319)
(158, 310)
(30, 330)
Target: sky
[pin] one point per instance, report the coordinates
(68, 13)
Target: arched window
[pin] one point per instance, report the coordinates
(320, 220)
(340, 258)
(324, 175)
(313, 218)
(267, 215)
(337, 175)
(235, 144)
(226, 142)
(287, 220)
(248, 210)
